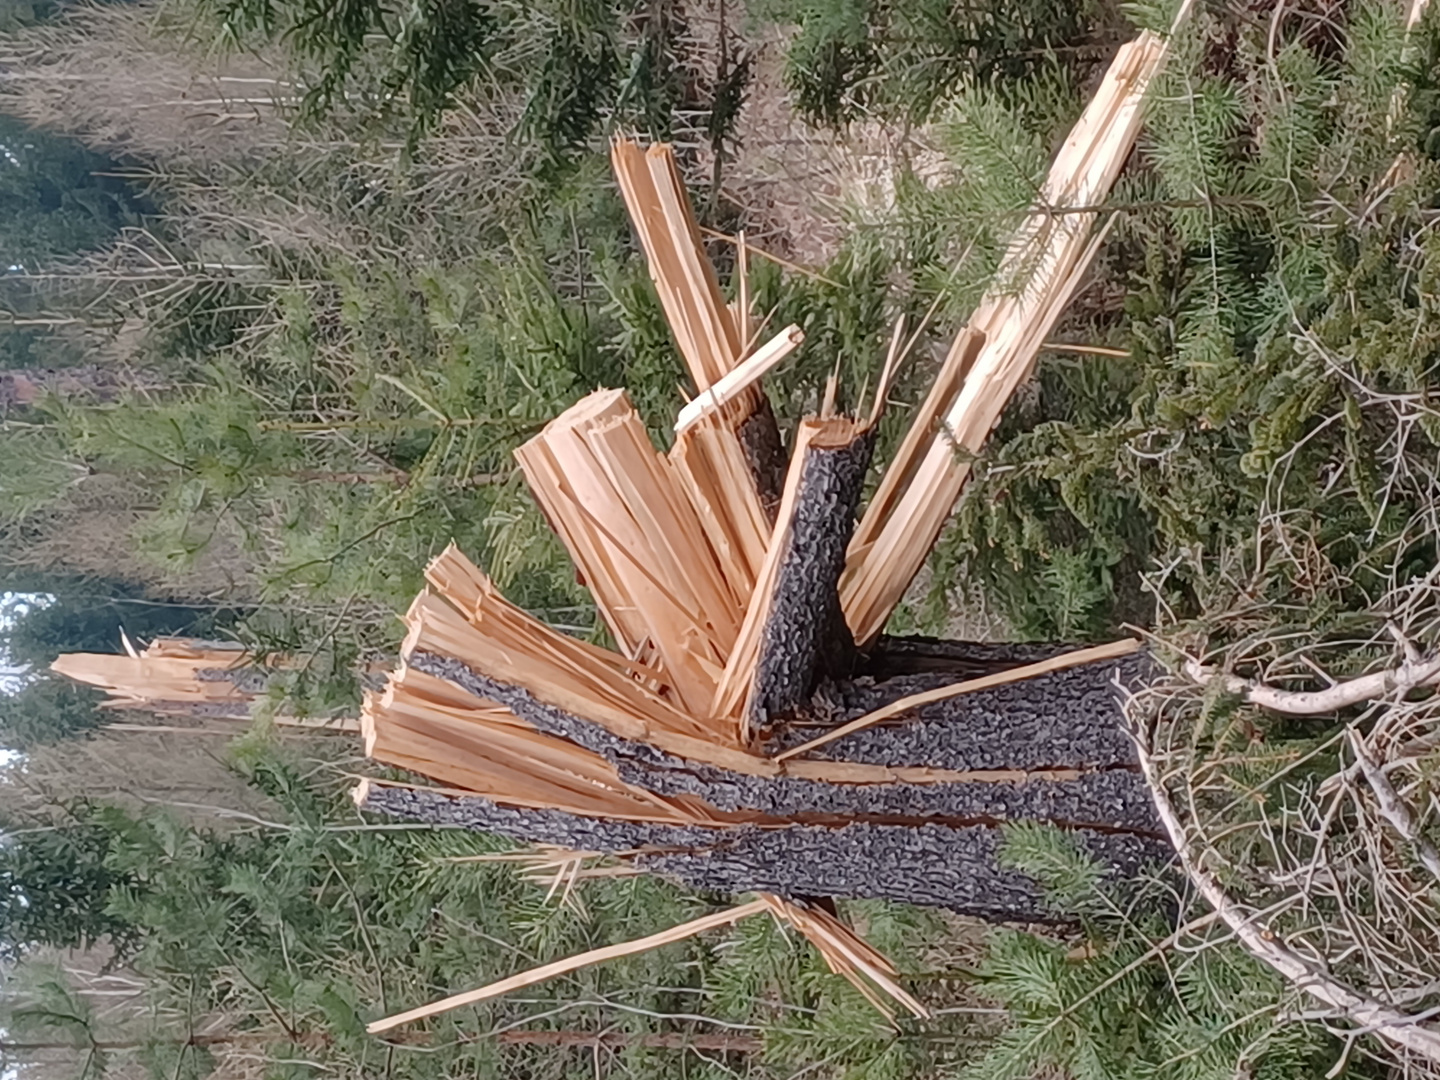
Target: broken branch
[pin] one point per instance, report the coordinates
(573, 963)
(1408, 676)
(915, 701)
(1393, 808)
(741, 377)
(1268, 947)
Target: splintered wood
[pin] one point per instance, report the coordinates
(172, 675)
(637, 541)
(1043, 266)
(470, 619)
(738, 381)
(714, 453)
(844, 952)
(215, 680)
(729, 592)
(684, 276)
(421, 724)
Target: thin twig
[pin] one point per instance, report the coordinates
(1393, 808)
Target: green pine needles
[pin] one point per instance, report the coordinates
(1264, 288)
(1131, 997)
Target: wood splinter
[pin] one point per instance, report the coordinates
(571, 963)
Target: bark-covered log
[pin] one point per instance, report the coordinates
(1056, 743)
(937, 865)
(1068, 718)
(1066, 724)
(805, 632)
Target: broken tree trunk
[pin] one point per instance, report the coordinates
(186, 677)
(172, 676)
(751, 732)
(912, 812)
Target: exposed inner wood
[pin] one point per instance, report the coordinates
(737, 599)
(708, 455)
(722, 597)
(638, 541)
(560, 967)
(174, 676)
(1043, 265)
(741, 378)
(924, 427)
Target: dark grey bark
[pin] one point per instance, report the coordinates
(937, 865)
(764, 451)
(805, 631)
(1066, 719)
(935, 844)
(957, 869)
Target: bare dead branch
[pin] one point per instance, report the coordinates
(1379, 684)
(1268, 947)
(1393, 808)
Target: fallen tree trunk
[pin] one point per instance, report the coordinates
(926, 824)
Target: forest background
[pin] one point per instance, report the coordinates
(286, 284)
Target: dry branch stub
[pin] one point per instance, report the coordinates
(737, 602)
(793, 621)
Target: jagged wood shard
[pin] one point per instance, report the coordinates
(637, 541)
(187, 677)
(722, 459)
(1045, 262)
(739, 380)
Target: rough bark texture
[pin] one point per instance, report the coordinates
(534, 826)
(933, 844)
(933, 865)
(952, 867)
(543, 717)
(1113, 799)
(805, 628)
(1067, 718)
(759, 436)
(1055, 721)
